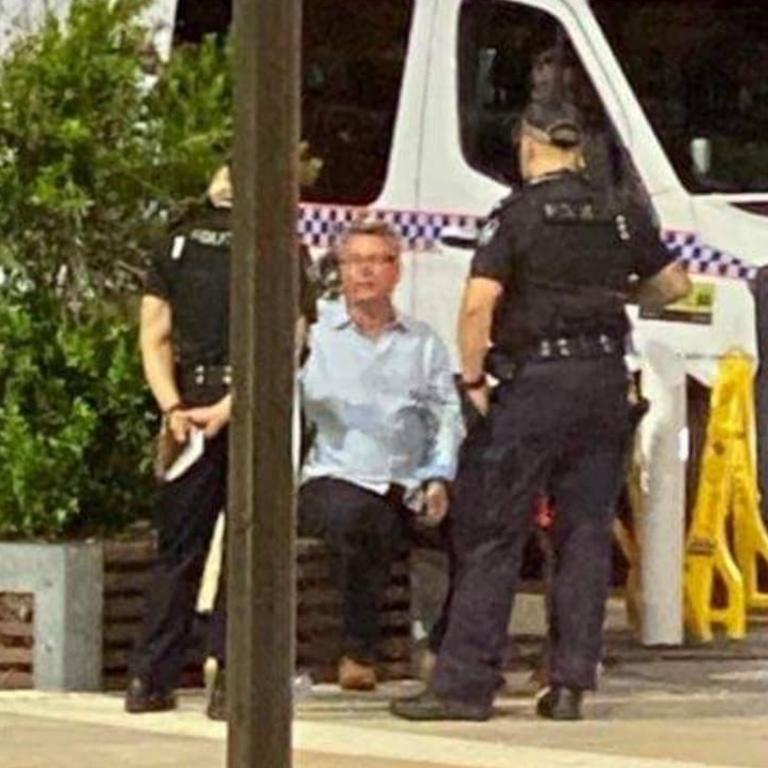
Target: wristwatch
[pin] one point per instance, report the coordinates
(478, 383)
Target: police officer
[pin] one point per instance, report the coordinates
(548, 284)
(184, 332)
(185, 352)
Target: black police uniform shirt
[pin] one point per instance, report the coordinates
(565, 258)
(191, 270)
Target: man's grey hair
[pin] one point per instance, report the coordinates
(368, 223)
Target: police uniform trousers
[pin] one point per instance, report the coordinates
(559, 426)
(185, 517)
(363, 532)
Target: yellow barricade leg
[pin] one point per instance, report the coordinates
(707, 560)
(751, 547)
(708, 556)
(749, 534)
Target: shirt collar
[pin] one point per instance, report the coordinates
(552, 176)
(342, 320)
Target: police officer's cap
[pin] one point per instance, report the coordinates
(554, 122)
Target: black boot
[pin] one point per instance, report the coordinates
(560, 703)
(429, 706)
(217, 704)
(139, 698)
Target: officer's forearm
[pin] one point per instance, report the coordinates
(667, 286)
(155, 340)
(648, 297)
(224, 407)
(474, 336)
(652, 295)
(157, 357)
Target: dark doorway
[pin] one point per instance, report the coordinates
(195, 19)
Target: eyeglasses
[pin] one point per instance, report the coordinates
(370, 260)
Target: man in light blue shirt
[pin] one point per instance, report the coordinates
(379, 395)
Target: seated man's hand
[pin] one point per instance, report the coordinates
(212, 418)
(480, 399)
(435, 502)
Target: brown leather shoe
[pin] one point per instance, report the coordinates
(356, 676)
(140, 699)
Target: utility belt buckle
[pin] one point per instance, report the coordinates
(564, 348)
(212, 375)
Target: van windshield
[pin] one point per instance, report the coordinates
(509, 54)
(699, 72)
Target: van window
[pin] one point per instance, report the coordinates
(195, 19)
(353, 57)
(353, 60)
(699, 71)
(509, 54)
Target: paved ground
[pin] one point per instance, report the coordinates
(648, 714)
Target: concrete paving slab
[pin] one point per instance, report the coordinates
(29, 742)
(667, 715)
(43, 742)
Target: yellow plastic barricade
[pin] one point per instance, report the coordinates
(726, 498)
(750, 540)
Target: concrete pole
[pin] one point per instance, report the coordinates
(261, 591)
(664, 446)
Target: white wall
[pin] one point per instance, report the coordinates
(22, 16)
(19, 17)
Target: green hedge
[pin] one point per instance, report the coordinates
(100, 146)
(76, 419)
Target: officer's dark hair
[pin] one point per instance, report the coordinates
(553, 121)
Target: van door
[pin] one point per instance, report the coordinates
(490, 57)
(698, 72)
(364, 79)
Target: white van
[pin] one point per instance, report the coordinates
(411, 104)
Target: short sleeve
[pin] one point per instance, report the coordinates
(494, 256)
(308, 293)
(651, 255)
(157, 277)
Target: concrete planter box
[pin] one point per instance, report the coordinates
(70, 613)
(58, 589)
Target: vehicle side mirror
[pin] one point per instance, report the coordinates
(701, 156)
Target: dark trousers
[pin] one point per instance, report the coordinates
(363, 532)
(185, 516)
(560, 426)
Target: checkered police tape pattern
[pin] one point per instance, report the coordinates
(703, 259)
(319, 225)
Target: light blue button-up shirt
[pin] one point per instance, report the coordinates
(385, 409)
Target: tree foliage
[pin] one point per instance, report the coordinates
(75, 419)
(100, 146)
